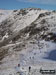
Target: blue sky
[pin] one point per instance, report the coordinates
(18, 4)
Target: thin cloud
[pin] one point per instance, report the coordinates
(40, 1)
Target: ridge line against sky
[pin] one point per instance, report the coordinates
(18, 4)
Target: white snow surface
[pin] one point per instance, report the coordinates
(4, 14)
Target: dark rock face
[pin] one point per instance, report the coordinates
(3, 53)
(44, 14)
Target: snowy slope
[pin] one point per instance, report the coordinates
(4, 14)
(28, 38)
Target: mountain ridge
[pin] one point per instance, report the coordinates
(28, 37)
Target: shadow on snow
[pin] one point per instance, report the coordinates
(51, 55)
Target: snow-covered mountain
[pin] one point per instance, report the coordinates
(28, 38)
